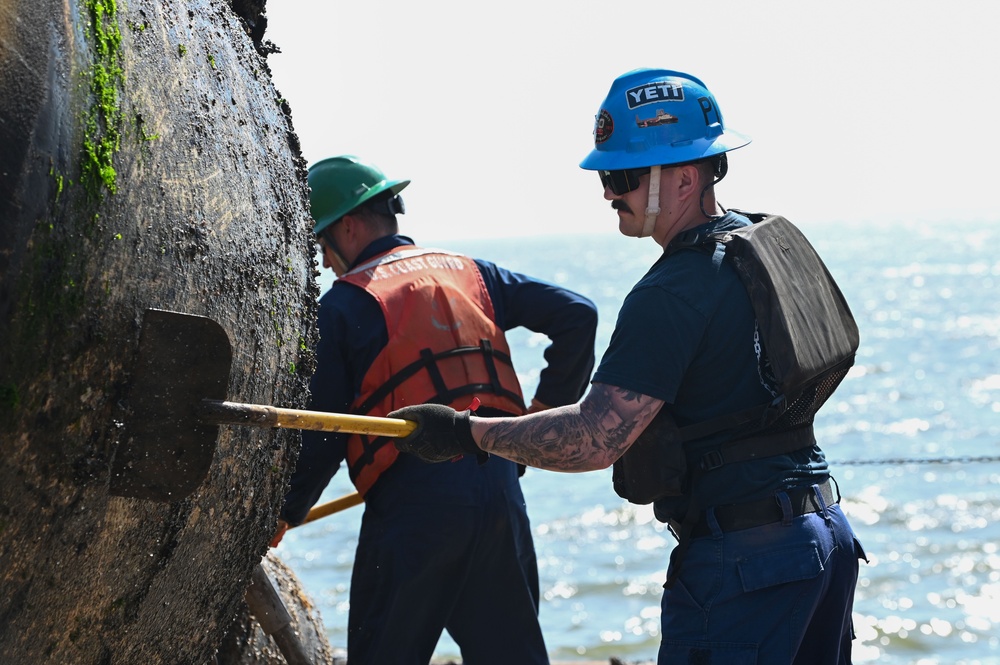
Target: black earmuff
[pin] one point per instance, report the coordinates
(392, 205)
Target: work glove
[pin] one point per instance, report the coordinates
(442, 433)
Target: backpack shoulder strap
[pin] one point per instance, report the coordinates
(755, 217)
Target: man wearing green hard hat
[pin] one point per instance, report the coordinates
(342, 185)
(442, 546)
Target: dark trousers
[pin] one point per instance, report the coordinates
(780, 594)
(445, 547)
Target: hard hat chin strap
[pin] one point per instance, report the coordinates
(339, 264)
(653, 206)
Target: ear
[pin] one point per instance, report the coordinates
(349, 225)
(355, 234)
(688, 181)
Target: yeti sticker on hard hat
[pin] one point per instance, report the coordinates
(650, 93)
(603, 127)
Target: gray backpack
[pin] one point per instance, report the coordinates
(811, 340)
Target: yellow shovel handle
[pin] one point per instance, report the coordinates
(339, 422)
(235, 413)
(335, 506)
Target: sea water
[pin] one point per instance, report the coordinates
(913, 437)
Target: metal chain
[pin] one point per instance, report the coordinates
(925, 460)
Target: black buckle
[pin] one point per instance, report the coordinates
(712, 460)
(774, 410)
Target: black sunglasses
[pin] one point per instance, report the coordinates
(622, 181)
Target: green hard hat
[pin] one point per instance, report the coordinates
(338, 185)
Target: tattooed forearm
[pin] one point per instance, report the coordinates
(584, 437)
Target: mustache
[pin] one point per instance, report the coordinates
(618, 204)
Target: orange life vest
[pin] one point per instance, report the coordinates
(444, 347)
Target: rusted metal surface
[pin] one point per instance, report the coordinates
(206, 213)
(247, 643)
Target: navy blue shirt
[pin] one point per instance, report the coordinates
(352, 333)
(685, 335)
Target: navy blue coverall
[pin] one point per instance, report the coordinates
(781, 592)
(442, 546)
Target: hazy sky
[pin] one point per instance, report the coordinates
(858, 110)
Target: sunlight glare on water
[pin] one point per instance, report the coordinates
(926, 386)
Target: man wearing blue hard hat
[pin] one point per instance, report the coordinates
(442, 546)
(704, 400)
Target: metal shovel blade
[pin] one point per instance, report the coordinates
(167, 449)
(177, 401)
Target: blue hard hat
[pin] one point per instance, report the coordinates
(658, 116)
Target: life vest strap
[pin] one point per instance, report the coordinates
(370, 447)
(489, 354)
(429, 361)
(757, 447)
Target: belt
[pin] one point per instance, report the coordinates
(735, 517)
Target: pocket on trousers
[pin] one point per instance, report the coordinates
(711, 653)
(780, 566)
